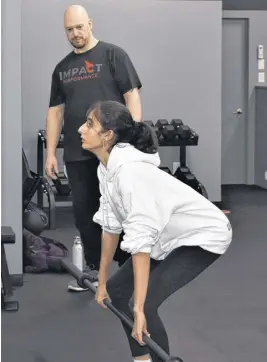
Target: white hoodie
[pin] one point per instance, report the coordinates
(157, 212)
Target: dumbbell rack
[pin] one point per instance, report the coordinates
(177, 134)
(41, 145)
(182, 143)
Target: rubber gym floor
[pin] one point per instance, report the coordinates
(219, 317)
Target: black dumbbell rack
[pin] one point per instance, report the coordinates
(182, 143)
(41, 146)
(177, 134)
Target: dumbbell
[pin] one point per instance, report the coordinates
(166, 169)
(182, 131)
(192, 181)
(202, 190)
(62, 189)
(184, 175)
(176, 122)
(181, 173)
(166, 130)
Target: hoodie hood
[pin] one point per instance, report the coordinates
(125, 153)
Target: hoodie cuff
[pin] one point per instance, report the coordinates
(145, 249)
(134, 246)
(113, 231)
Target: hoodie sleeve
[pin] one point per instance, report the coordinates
(145, 218)
(105, 216)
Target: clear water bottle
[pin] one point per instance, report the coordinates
(77, 253)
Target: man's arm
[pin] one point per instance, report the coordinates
(54, 123)
(55, 114)
(128, 82)
(133, 102)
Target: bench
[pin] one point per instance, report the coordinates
(7, 303)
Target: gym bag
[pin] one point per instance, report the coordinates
(41, 254)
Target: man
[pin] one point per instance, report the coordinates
(94, 70)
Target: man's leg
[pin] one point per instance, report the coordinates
(84, 183)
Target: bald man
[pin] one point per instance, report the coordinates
(94, 70)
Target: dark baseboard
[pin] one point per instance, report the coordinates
(16, 280)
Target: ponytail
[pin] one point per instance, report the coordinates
(143, 138)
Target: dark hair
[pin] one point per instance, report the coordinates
(115, 116)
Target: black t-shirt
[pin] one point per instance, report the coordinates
(104, 72)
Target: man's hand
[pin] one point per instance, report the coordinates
(51, 166)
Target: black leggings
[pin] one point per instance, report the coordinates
(166, 277)
(82, 176)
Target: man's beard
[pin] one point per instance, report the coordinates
(78, 44)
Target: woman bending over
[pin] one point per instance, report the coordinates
(172, 232)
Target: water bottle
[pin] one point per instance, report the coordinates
(77, 253)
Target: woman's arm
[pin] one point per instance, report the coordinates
(141, 268)
(108, 247)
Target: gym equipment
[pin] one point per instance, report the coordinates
(33, 183)
(35, 219)
(61, 189)
(166, 169)
(166, 131)
(202, 190)
(184, 132)
(175, 133)
(161, 123)
(7, 302)
(150, 123)
(61, 185)
(181, 173)
(176, 122)
(83, 280)
(181, 131)
(184, 175)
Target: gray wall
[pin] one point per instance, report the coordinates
(176, 48)
(257, 36)
(11, 130)
(260, 137)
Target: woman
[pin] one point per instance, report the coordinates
(172, 232)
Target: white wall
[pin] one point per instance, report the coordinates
(170, 43)
(11, 130)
